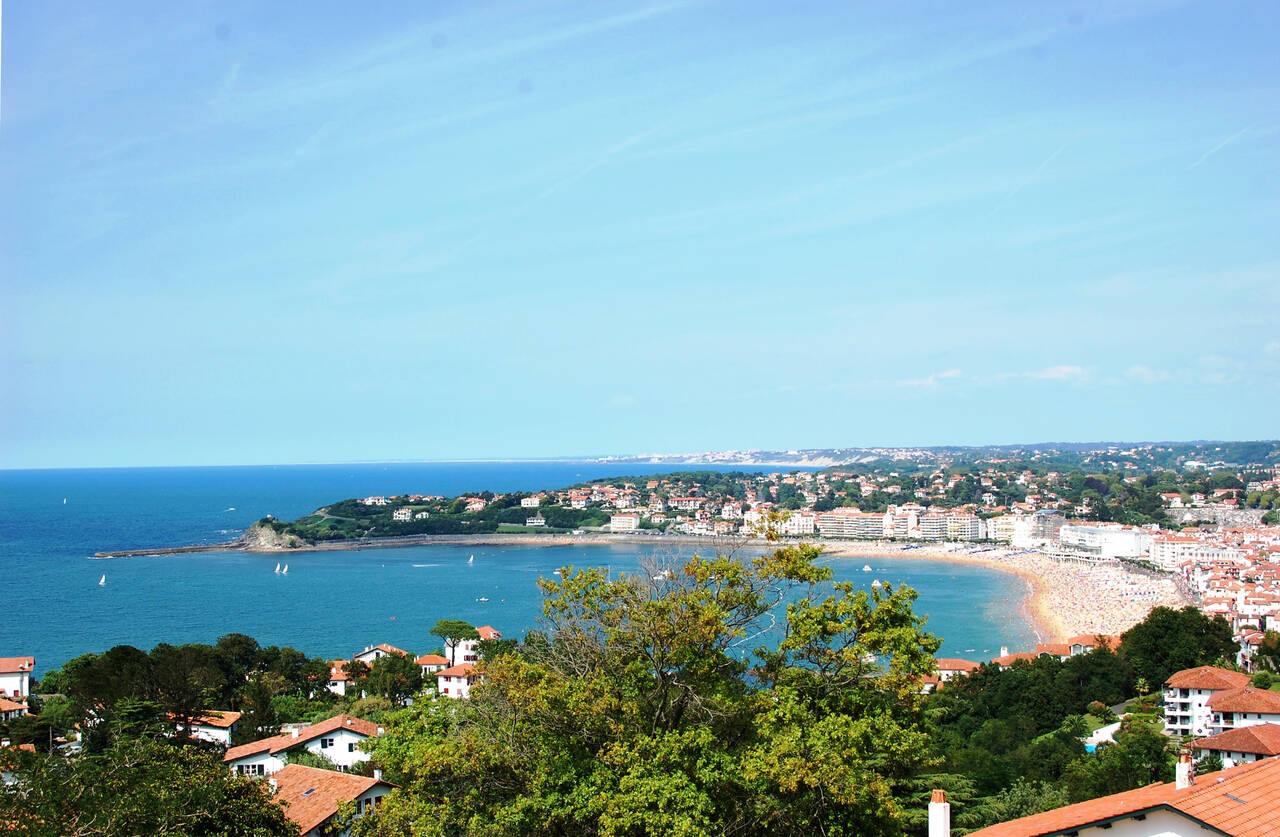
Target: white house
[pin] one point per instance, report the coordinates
(467, 650)
(9, 710)
(456, 681)
(949, 668)
(15, 676)
(338, 677)
(214, 726)
(536, 520)
(530, 502)
(373, 652)
(1244, 707)
(311, 796)
(402, 514)
(1241, 801)
(337, 738)
(432, 663)
(1187, 694)
(1241, 745)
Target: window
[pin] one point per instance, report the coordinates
(250, 769)
(351, 747)
(326, 743)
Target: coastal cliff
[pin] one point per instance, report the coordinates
(261, 537)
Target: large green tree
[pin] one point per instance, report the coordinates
(722, 696)
(1169, 640)
(135, 786)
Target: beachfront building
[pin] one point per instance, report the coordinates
(1105, 541)
(798, 523)
(628, 522)
(311, 797)
(213, 726)
(535, 521)
(1241, 801)
(456, 681)
(1187, 694)
(337, 738)
(1241, 745)
(15, 676)
(374, 652)
(849, 522)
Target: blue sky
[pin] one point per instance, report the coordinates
(241, 233)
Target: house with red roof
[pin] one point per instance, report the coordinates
(337, 738)
(468, 650)
(949, 668)
(214, 726)
(11, 710)
(1241, 745)
(1243, 707)
(1241, 801)
(1187, 694)
(456, 681)
(338, 677)
(432, 663)
(311, 796)
(15, 677)
(382, 649)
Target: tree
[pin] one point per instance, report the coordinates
(1140, 755)
(1169, 640)
(453, 631)
(395, 677)
(647, 708)
(136, 786)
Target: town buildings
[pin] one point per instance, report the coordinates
(337, 738)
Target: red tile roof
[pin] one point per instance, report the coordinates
(1207, 677)
(280, 743)
(1056, 649)
(311, 795)
(15, 665)
(1247, 699)
(462, 670)
(338, 670)
(382, 646)
(432, 660)
(951, 664)
(1242, 801)
(215, 718)
(7, 705)
(487, 632)
(1262, 739)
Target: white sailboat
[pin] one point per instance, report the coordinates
(285, 571)
(277, 567)
(866, 568)
(64, 501)
(102, 582)
(471, 560)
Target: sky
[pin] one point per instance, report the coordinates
(240, 233)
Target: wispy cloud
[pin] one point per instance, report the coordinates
(1205, 156)
(929, 381)
(1059, 373)
(1145, 374)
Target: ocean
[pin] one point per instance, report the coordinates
(334, 604)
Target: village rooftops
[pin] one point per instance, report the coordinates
(214, 718)
(16, 665)
(1260, 739)
(1242, 801)
(949, 664)
(280, 743)
(1209, 678)
(338, 670)
(487, 632)
(311, 795)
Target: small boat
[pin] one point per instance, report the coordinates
(285, 571)
(555, 572)
(102, 582)
(471, 560)
(64, 501)
(866, 568)
(483, 599)
(277, 567)
(875, 582)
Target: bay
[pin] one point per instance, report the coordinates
(334, 604)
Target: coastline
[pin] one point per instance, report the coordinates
(1062, 599)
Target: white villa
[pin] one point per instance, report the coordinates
(1187, 694)
(15, 676)
(336, 738)
(215, 726)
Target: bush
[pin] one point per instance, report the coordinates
(1262, 680)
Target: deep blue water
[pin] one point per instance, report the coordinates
(336, 603)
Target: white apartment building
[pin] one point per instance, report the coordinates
(624, 522)
(1105, 540)
(1187, 694)
(530, 502)
(402, 514)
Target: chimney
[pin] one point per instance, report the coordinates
(377, 773)
(1004, 652)
(275, 786)
(939, 815)
(1186, 772)
(293, 733)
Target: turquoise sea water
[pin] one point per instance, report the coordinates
(336, 603)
